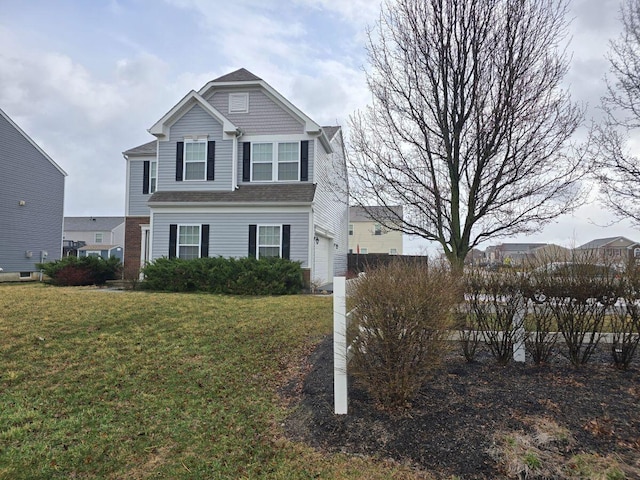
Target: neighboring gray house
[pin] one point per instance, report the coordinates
(94, 230)
(611, 250)
(31, 204)
(237, 170)
(100, 236)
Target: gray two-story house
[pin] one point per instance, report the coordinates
(237, 170)
(31, 204)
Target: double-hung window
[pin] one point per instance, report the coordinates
(195, 159)
(275, 161)
(99, 237)
(269, 244)
(188, 246)
(153, 176)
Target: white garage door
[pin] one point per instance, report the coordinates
(321, 270)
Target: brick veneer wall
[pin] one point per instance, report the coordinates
(132, 244)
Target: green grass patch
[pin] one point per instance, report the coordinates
(102, 384)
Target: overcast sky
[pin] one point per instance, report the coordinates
(86, 79)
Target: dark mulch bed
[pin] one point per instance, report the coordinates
(450, 429)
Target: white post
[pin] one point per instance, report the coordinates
(340, 392)
(519, 352)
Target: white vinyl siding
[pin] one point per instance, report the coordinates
(269, 241)
(195, 160)
(188, 245)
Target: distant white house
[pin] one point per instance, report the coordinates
(31, 204)
(98, 236)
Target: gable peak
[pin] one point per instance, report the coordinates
(240, 75)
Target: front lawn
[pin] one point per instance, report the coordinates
(104, 384)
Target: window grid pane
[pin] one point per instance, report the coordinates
(188, 252)
(262, 171)
(288, 152)
(287, 171)
(189, 235)
(194, 170)
(268, 241)
(195, 160)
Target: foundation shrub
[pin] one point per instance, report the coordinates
(242, 276)
(77, 271)
(401, 317)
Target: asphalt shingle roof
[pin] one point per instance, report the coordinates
(276, 193)
(148, 148)
(240, 75)
(359, 214)
(91, 224)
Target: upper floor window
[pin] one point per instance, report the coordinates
(239, 102)
(188, 246)
(377, 229)
(636, 252)
(275, 161)
(351, 229)
(153, 176)
(269, 241)
(195, 159)
(99, 237)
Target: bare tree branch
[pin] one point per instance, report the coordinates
(468, 128)
(616, 169)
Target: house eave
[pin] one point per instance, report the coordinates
(227, 204)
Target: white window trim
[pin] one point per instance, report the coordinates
(245, 97)
(178, 244)
(351, 230)
(258, 245)
(377, 228)
(274, 161)
(195, 139)
(95, 237)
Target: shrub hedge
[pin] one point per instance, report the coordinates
(239, 276)
(76, 271)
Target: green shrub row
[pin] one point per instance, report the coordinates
(77, 271)
(239, 276)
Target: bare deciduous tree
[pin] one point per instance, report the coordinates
(468, 127)
(618, 171)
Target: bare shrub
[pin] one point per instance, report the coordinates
(625, 321)
(399, 328)
(469, 335)
(498, 309)
(541, 335)
(578, 293)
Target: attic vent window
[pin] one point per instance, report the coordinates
(239, 103)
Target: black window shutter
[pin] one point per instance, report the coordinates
(179, 156)
(145, 176)
(304, 160)
(246, 162)
(253, 233)
(173, 240)
(211, 159)
(204, 241)
(286, 241)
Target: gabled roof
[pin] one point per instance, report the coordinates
(245, 78)
(146, 149)
(359, 214)
(35, 145)
(330, 131)
(603, 242)
(240, 75)
(519, 247)
(290, 193)
(91, 224)
(161, 128)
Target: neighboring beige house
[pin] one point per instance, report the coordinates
(518, 253)
(615, 250)
(368, 236)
